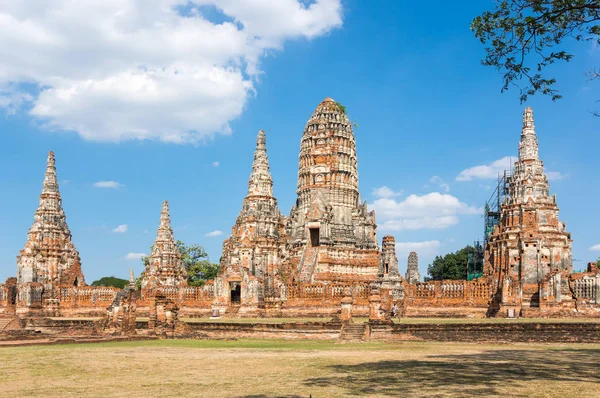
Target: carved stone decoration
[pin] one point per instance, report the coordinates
(165, 267)
(333, 235)
(49, 256)
(530, 244)
(252, 256)
(412, 269)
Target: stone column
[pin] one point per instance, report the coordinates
(346, 309)
(375, 307)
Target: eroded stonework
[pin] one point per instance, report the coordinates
(530, 244)
(333, 235)
(412, 269)
(253, 256)
(165, 267)
(49, 256)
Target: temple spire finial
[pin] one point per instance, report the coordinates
(528, 147)
(50, 180)
(260, 182)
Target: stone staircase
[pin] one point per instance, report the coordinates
(353, 332)
(307, 266)
(4, 323)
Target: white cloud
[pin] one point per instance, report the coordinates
(385, 192)
(107, 184)
(489, 171)
(595, 248)
(425, 248)
(438, 180)
(132, 70)
(135, 256)
(431, 211)
(554, 175)
(216, 164)
(214, 233)
(121, 229)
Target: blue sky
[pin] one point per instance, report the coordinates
(173, 114)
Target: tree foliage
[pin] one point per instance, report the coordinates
(451, 266)
(196, 263)
(523, 37)
(111, 281)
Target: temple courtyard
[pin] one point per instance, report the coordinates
(278, 368)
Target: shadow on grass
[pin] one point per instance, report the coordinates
(484, 374)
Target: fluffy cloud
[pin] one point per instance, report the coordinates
(491, 170)
(135, 256)
(426, 248)
(121, 229)
(216, 164)
(385, 192)
(431, 211)
(107, 184)
(595, 248)
(214, 233)
(170, 70)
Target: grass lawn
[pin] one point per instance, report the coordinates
(274, 368)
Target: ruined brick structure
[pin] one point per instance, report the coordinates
(333, 235)
(412, 269)
(530, 244)
(49, 256)
(321, 260)
(164, 266)
(253, 255)
(389, 280)
(49, 279)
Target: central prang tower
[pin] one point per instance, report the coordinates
(333, 234)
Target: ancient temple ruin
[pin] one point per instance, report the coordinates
(412, 268)
(322, 258)
(333, 235)
(253, 256)
(164, 267)
(49, 256)
(530, 244)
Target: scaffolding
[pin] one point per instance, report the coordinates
(493, 206)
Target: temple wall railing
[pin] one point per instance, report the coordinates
(191, 296)
(87, 296)
(586, 287)
(448, 292)
(328, 294)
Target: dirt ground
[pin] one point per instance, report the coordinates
(271, 368)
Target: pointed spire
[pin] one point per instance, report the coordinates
(528, 147)
(260, 182)
(50, 180)
(131, 276)
(165, 232)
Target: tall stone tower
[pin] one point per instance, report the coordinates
(530, 240)
(412, 269)
(333, 234)
(164, 266)
(49, 256)
(253, 254)
(389, 260)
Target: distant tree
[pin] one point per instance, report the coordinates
(450, 266)
(111, 281)
(196, 263)
(523, 37)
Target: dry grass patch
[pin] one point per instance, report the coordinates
(271, 368)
